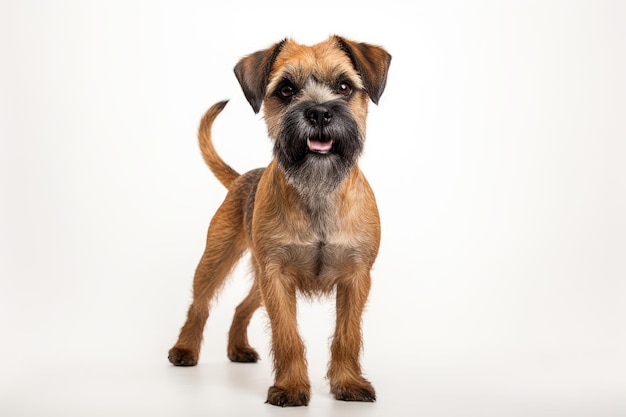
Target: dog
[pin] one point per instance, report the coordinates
(309, 219)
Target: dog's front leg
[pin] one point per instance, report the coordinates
(291, 385)
(346, 380)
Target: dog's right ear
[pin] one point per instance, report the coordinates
(253, 72)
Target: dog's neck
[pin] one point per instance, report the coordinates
(322, 215)
(317, 182)
(318, 192)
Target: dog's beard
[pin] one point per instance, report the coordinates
(312, 165)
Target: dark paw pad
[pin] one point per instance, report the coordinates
(182, 357)
(244, 355)
(364, 393)
(284, 398)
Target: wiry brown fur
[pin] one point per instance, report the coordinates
(305, 242)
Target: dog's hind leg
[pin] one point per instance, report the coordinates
(239, 350)
(224, 246)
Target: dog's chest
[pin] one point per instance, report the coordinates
(318, 265)
(316, 242)
(327, 248)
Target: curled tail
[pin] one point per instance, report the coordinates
(220, 169)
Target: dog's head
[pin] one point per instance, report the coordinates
(315, 104)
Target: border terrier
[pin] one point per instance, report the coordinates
(309, 218)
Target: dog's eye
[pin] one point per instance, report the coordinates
(286, 90)
(344, 89)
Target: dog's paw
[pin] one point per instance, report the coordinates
(363, 391)
(284, 398)
(243, 355)
(183, 357)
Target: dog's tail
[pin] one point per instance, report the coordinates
(220, 169)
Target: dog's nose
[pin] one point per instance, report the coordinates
(319, 115)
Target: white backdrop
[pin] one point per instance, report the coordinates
(496, 153)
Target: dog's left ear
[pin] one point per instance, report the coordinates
(371, 62)
(253, 72)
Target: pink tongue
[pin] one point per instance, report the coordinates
(318, 146)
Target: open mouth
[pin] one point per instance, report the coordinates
(319, 146)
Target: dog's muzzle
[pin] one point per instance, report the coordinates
(318, 131)
(320, 116)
